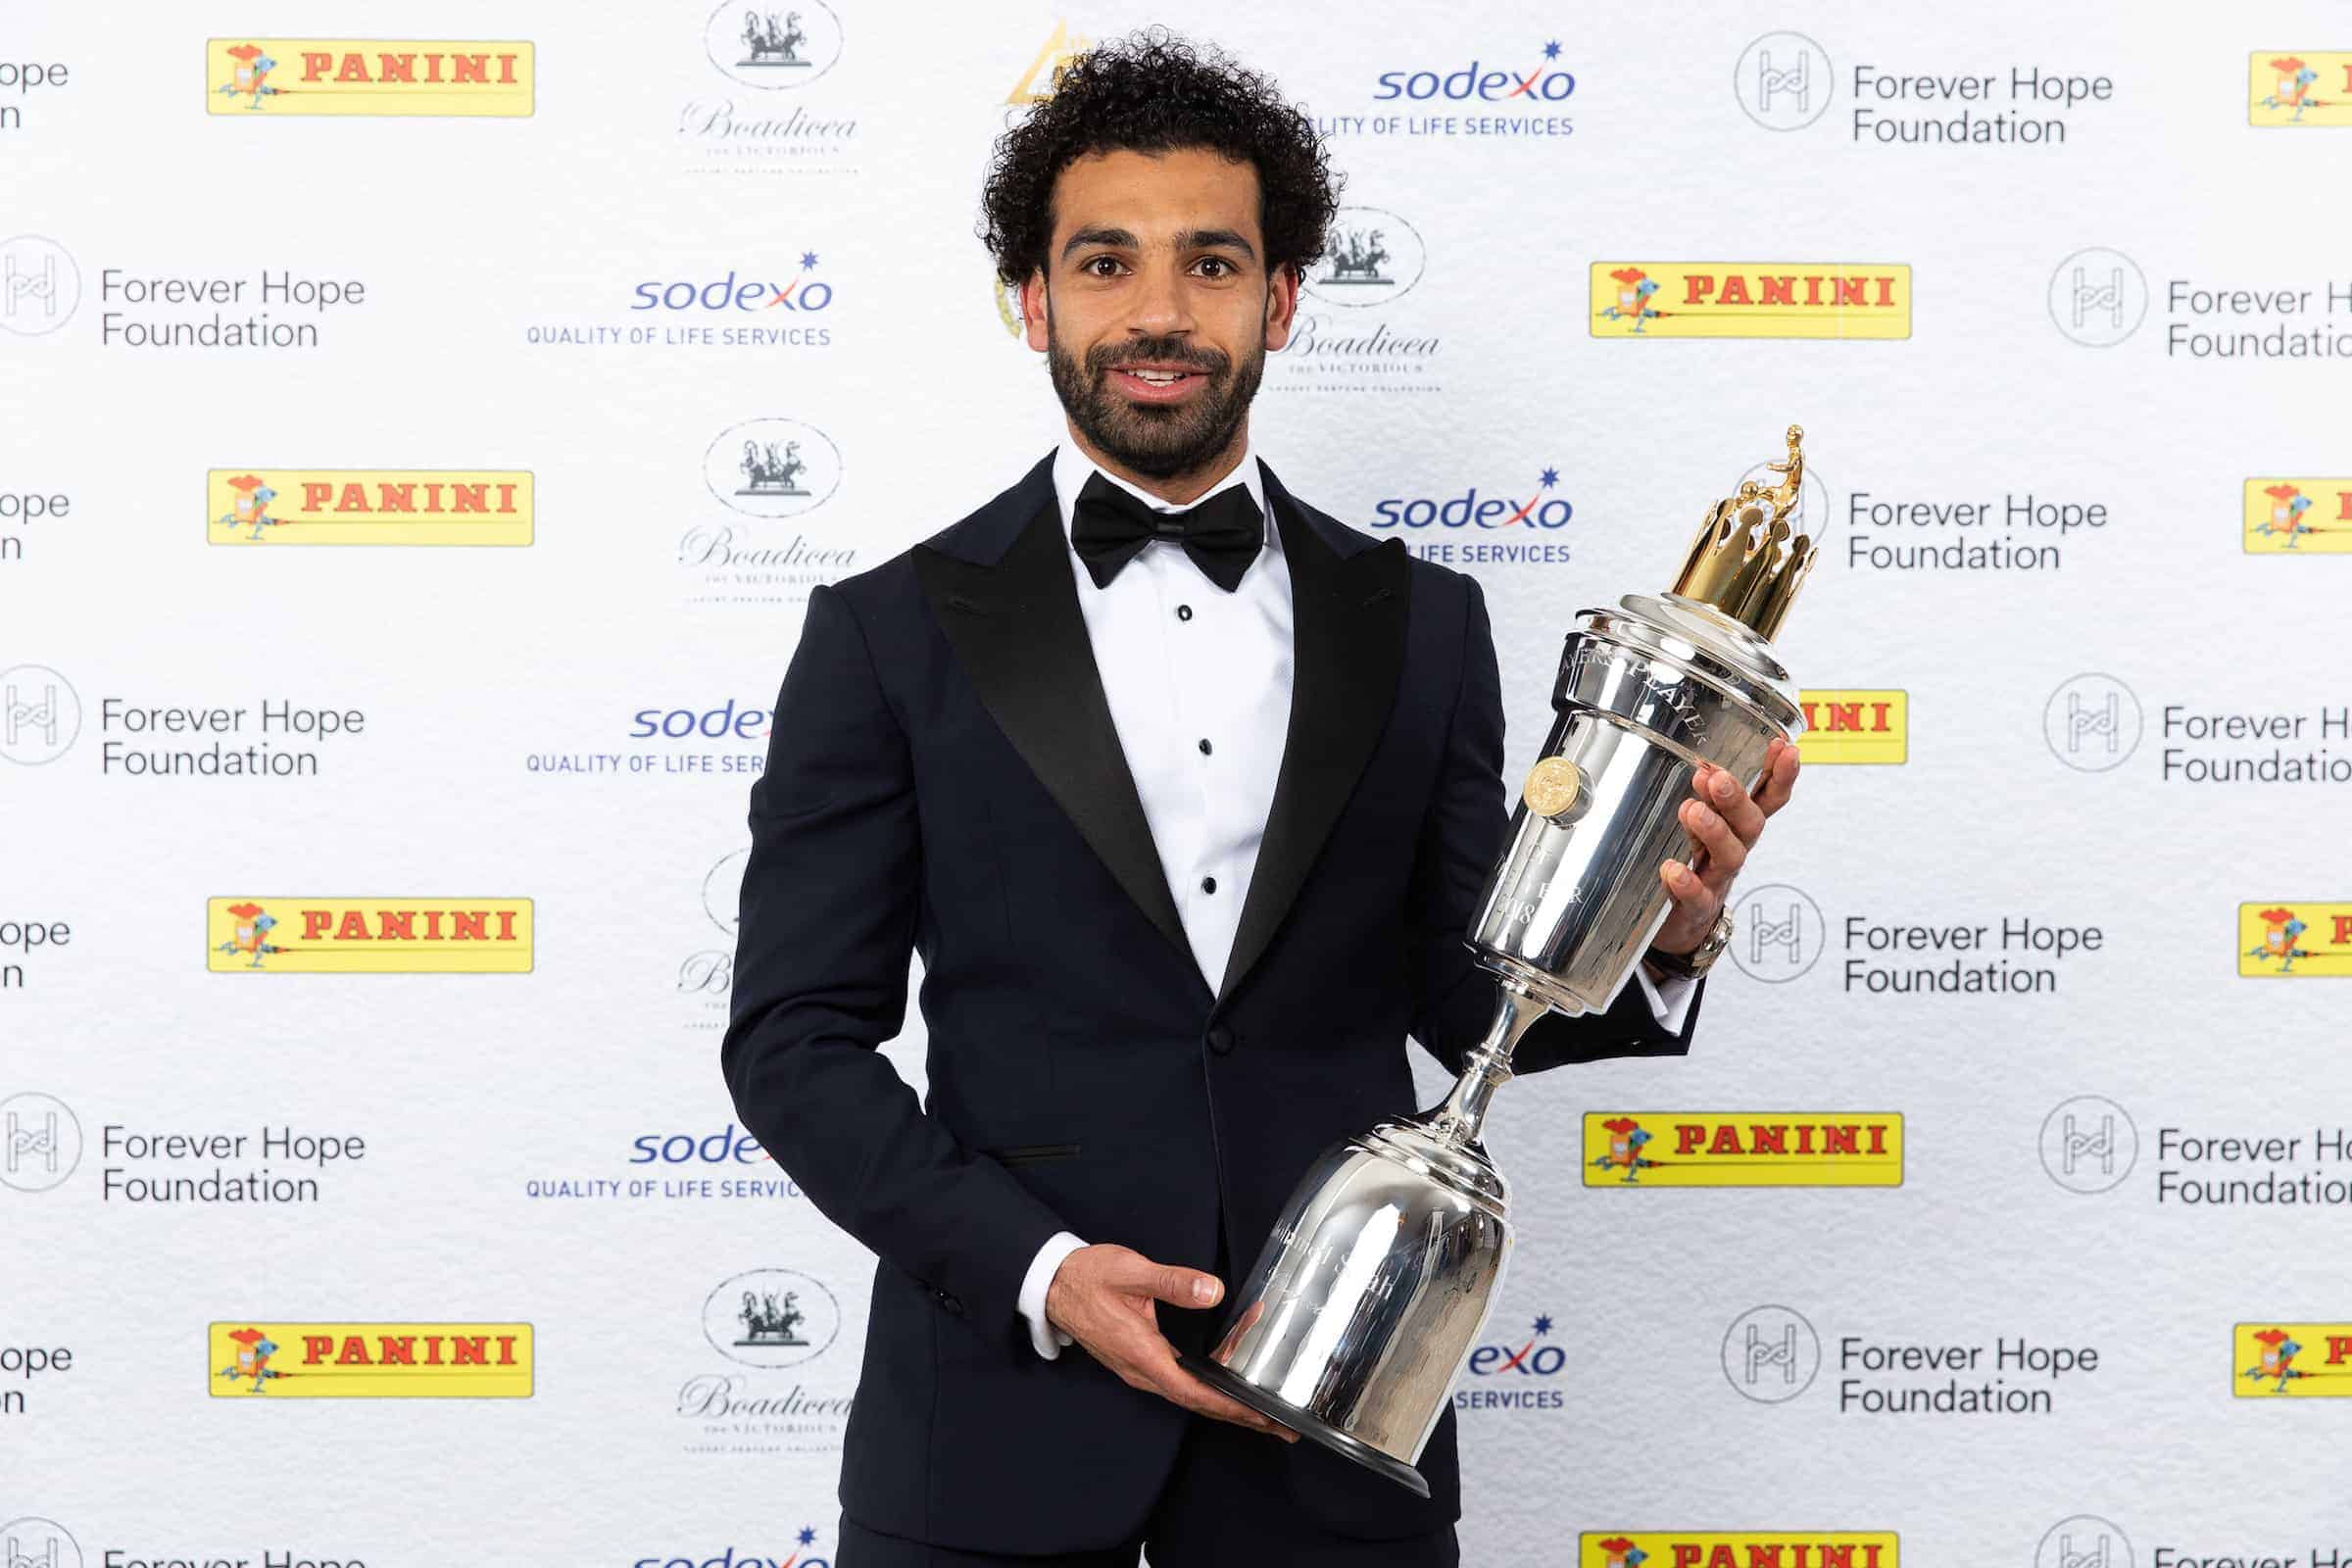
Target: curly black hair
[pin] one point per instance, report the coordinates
(1154, 92)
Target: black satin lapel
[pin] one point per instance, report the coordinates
(1017, 630)
(1347, 619)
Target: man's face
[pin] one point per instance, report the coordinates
(1155, 308)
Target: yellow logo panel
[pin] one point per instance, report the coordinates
(439, 77)
(1855, 726)
(2290, 937)
(1743, 1149)
(405, 935)
(366, 507)
(1736, 1548)
(1752, 299)
(2299, 87)
(2298, 517)
(1038, 82)
(2292, 1361)
(253, 1358)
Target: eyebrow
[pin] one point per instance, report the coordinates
(1199, 239)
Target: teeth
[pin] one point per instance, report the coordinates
(1157, 377)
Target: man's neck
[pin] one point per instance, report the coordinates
(1177, 489)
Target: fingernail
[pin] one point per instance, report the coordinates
(1204, 1289)
(1723, 786)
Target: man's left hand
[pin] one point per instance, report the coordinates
(1725, 821)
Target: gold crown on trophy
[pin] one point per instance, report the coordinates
(1747, 561)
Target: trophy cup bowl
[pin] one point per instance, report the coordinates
(1377, 1280)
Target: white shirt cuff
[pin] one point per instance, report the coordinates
(1047, 1338)
(1669, 1000)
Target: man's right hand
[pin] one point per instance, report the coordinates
(1102, 1296)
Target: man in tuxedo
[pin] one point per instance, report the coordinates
(1184, 792)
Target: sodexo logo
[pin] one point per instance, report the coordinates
(773, 49)
(1481, 82)
(729, 1146)
(739, 291)
(1469, 510)
(804, 1553)
(1505, 1376)
(723, 723)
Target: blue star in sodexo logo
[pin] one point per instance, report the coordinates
(1551, 50)
(808, 260)
(1544, 1325)
(807, 1535)
(1552, 476)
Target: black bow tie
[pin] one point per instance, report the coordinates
(1109, 527)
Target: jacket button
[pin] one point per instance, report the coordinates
(953, 1307)
(1220, 1040)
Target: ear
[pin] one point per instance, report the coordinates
(1033, 310)
(1282, 306)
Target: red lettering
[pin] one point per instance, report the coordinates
(1772, 1139)
(396, 1348)
(472, 497)
(2340, 1345)
(1843, 1140)
(470, 67)
(315, 494)
(394, 497)
(1696, 287)
(314, 65)
(1736, 291)
(396, 925)
(354, 928)
(469, 1350)
(354, 1352)
(468, 925)
(315, 1348)
(353, 69)
(314, 923)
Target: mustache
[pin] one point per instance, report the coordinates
(1157, 350)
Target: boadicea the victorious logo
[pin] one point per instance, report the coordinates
(395, 935)
(428, 77)
(2292, 1361)
(2298, 517)
(774, 46)
(366, 507)
(1371, 257)
(281, 1361)
(1743, 1149)
(2282, 940)
(1736, 1548)
(1863, 300)
(2299, 87)
(1855, 726)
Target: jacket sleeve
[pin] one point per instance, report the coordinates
(1466, 829)
(831, 896)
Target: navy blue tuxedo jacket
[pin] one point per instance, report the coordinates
(945, 779)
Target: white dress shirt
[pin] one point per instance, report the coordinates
(1198, 685)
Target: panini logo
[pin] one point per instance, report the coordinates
(368, 936)
(2307, 88)
(2290, 939)
(1752, 299)
(1743, 1149)
(1737, 1549)
(367, 77)
(369, 1360)
(1855, 726)
(2299, 516)
(366, 507)
(2300, 1360)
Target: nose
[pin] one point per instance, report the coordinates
(1161, 306)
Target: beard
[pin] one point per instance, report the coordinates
(1162, 442)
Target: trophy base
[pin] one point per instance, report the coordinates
(1305, 1422)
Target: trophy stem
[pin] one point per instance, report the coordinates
(1488, 1067)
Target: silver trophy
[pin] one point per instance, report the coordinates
(1377, 1281)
